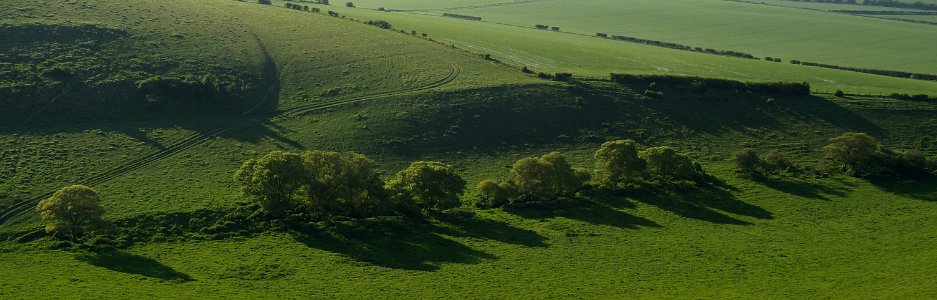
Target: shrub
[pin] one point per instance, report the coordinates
(554, 28)
(59, 73)
(430, 185)
(72, 212)
(527, 70)
(490, 193)
(854, 150)
(343, 184)
(617, 164)
(380, 24)
(267, 2)
(747, 163)
(544, 178)
(666, 164)
(562, 76)
(773, 162)
(349, 4)
(839, 93)
(272, 181)
(601, 35)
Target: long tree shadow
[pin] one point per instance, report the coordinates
(133, 264)
(474, 227)
(921, 189)
(802, 188)
(706, 203)
(590, 211)
(393, 245)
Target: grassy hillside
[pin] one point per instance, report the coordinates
(311, 81)
(589, 56)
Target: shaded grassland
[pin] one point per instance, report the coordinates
(585, 55)
(755, 240)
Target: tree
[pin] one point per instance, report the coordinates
(747, 162)
(343, 184)
(71, 212)
(272, 181)
(667, 164)
(617, 163)
(545, 178)
(854, 150)
(431, 185)
(491, 193)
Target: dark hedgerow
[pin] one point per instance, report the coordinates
(793, 88)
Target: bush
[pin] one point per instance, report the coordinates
(562, 76)
(854, 150)
(72, 212)
(794, 88)
(774, 162)
(839, 93)
(554, 28)
(430, 185)
(267, 2)
(380, 24)
(747, 163)
(617, 164)
(343, 184)
(490, 193)
(273, 181)
(665, 164)
(545, 178)
(58, 73)
(349, 4)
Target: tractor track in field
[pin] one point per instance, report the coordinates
(21, 208)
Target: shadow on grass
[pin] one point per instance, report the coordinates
(921, 189)
(133, 264)
(467, 226)
(599, 211)
(706, 203)
(802, 188)
(397, 245)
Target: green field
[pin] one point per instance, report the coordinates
(756, 29)
(311, 81)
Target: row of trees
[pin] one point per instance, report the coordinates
(899, 74)
(793, 88)
(545, 27)
(301, 7)
(160, 89)
(675, 46)
(322, 184)
(619, 165)
(857, 154)
(882, 3)
(467, 17)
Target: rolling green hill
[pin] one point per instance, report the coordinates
(307, 80)
(585, 55)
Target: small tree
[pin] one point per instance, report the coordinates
(349, 4)
(431, 185)
(545, 178)
(491, 193)
(747, 162)
(773, 161)
(667, 164)
(343, 184)
(617, 163)
(71, 212)
(272, 181)
(854, 150)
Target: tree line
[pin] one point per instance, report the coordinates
(855, 154)
(675, 46)
(467, 17)
(883, 3)
(793, 88)
(899, 74)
